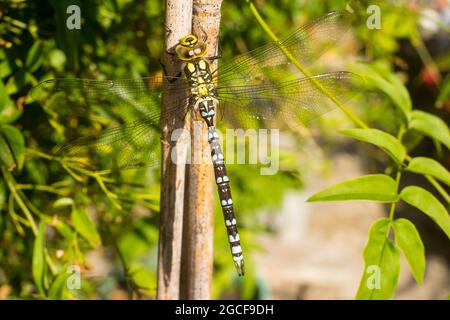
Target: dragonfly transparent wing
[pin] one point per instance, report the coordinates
(130, 145)
(292, 102)
(124, 98)
(133, 144)
(306, 45)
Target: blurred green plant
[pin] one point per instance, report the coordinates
(380, 252)
(55, 214)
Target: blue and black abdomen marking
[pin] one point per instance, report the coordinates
(204, 101)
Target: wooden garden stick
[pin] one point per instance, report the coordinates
(198, 226)
(178, 24)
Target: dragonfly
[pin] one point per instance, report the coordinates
(253, 85)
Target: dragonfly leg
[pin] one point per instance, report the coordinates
(219, 54)
(163, 66)
(205, 35)
(168, 30)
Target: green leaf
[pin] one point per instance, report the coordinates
(408, 240)
(6, 156)
(386, 81)
(444, 94)
(428, 204)
(8, 111)
(381, 264)
(63, 202)
(85, 226)
(5, 69)
(38, 264)
(3, 195)
(57, 59)
(428, 166)
(391, 145)
(12, 147)
(431, 126)
(34, 57)
(57, 289)
(375, 187)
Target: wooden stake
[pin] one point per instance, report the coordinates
(178, 24)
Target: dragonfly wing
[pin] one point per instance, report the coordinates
(306, 45)
(293, 102)
(124, 98)
(133, 144)
(130, 145)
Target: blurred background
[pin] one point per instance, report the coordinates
(294, 249)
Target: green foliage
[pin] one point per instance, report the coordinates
(381, 78)
(380, 252)
(85, 226)
(58, 287)
(8, 112)
(431, 126)
(408, 240)
(12, 147)
(381, 264)
(388, 143)
(39, 264)
(123, 39)
(428, 204)
(428, 166)
(376, 187)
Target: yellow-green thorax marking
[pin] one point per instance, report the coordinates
(204, 100)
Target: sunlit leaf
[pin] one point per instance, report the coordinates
(34, 57)
(428, 166)
(85, 226)
(6, 156)
(57, 59)
(391, 85)
(58, 286)
(5, 68)
(428, 204)
(391, 145)
(431, 126)
(444, 94)
(408, 240)
(63, 202)
(381, 264)
(8, 111)
(39, 265)
(376, 187)
(12, 147)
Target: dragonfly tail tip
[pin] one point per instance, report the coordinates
(240, 267)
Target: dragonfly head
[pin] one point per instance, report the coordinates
(190, 48)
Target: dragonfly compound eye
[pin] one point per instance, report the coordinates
(189, 41)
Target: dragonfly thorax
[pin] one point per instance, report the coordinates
(199, 74)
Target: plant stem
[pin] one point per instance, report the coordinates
(12, 188)
(394, 204)
(40, 188)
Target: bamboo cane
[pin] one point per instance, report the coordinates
(178, 24)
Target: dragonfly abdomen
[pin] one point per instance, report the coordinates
(226, 201)
(204, 101)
